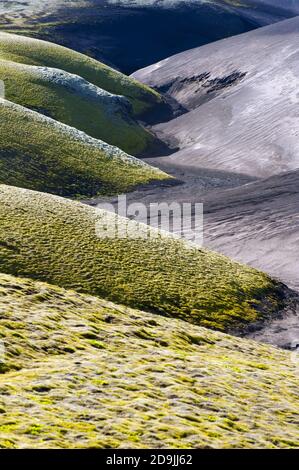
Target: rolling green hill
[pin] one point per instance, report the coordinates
(40, 153)
(72, 100)
(73, 363)
(42, 53)
(69, 244)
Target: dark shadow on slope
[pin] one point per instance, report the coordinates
(130, 38)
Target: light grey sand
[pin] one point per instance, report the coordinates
(241, 96)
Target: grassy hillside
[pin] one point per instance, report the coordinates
(71, 100)
(39, 153)
(36, 52)
(65, 243)
(73, 363)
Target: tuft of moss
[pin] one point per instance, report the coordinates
(211, 393)
(75, 246)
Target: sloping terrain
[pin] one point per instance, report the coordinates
(71, 360)
(73, 363)
(241, 100)
(120, 32)
(72, 100)
(253, 221)
(258, 224)
(40, 153)
(74, 246)
(43, 53)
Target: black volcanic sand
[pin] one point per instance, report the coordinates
(130, 38)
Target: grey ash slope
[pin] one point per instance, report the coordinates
(258, 224)
(241, 97)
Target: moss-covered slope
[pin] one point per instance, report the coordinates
(39, 153)
(72, 100)
(71, 245)
(73, 363)
(36, 52)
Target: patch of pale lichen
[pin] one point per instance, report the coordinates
(80, 361)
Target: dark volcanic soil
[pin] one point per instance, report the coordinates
(131, 35)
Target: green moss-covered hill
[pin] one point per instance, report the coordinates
(72, 100)
(73, 362)
(39, 153)
(71, 245)
(36, 52)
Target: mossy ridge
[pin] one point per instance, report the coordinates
(38, 153)
(107, 120)
(32, 51)
(66, 243)
(188, 387)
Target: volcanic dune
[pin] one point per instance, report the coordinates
(258, 224)
(76, 361)
(241, 102)
(120, 32)
(98, 311)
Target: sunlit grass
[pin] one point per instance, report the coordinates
(73, 363)
(57, 240)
